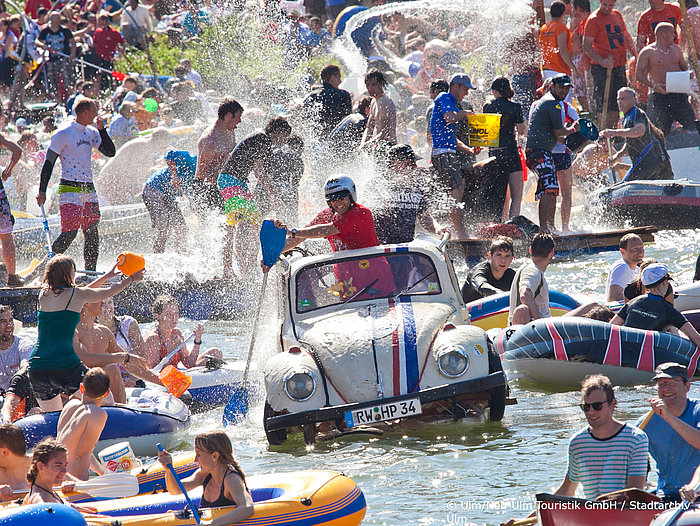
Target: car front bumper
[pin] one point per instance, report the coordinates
(482, 385)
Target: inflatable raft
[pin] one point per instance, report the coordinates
(672, 204)
(563, 351)
(34, 514)
(213, 385)
(491, 312)
(150, 416)
(306, 498)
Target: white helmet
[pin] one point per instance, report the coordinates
(339, 183)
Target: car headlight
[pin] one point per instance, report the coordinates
(300, 385)
(452, 362)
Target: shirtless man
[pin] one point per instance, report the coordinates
(381, 125)
(214, 147)
(99, 341)
(14, 461)
(81, 423)
(655, 60)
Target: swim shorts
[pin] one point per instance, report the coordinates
(562, 161)
(449, 170)
(541, 162)
(49, 384)
(163, 210)
(663, 110)
(78, 205)
(7, 220)
(239, 203)
(618, 79)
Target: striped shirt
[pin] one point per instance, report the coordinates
(602, 466)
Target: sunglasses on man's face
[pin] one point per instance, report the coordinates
(597, 406)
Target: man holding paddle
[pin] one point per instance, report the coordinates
(673, 428)
(607, 41)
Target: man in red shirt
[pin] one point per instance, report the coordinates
(657, 12)
(345, 223)
(33, 5)
(106, 42)
(606, 41)
(555, 41)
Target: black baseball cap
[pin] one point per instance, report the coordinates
(401, 152)
(671, 370)
(562, 79)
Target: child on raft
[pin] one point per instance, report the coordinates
(48, 469)
(219, 474)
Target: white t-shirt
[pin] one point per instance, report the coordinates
(620, 274)
(530, 277)
(11, 358)
(74, 145)
(140, 15)
(567, 109)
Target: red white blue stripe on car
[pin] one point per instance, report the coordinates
(405, 368)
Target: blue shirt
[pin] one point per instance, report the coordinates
(444, 135)
(676, 460)
(185, 164)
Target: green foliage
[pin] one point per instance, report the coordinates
(225, 49)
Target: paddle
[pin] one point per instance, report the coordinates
(161, 364)
(272, 241)
(182, 488)
(47, 233)
(683, 507)
(109, 486)
(606, 97)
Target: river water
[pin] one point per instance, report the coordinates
(465, 473)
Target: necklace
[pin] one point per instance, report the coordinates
(662, 51)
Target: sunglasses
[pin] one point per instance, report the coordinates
(337, 197)
(597, 406)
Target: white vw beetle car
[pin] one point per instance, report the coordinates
(372, 335)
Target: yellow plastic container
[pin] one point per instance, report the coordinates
(175, 380)
(484, 130)
(129, 263)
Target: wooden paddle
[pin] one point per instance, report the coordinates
(606, 97)
(110, 486)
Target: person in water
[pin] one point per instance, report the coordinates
(219, 474)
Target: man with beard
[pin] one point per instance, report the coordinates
(13, 349)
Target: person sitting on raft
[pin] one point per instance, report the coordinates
(14, 461)
(651, 311)
(166, 337)
(492, 276)
(219, 474)
(48, 469)
(55, 368)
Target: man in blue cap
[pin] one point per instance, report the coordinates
(673, 428)
(546, 128)
(447, 149)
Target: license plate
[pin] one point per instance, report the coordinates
(378, 413)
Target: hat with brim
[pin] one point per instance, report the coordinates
(654, 274)
(463, 79)
(670, 370)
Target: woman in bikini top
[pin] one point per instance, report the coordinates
(219, 474)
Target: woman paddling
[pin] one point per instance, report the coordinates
(54, 366)
(219, 474)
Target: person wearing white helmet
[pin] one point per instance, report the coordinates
(651, 311)
(345, 223)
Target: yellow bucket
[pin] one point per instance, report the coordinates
(484, 130)
(175, 380)
(129, 263)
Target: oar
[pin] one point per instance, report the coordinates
(161, 364)
(606, 97)
(110, 486)
(683, 507)
(47, 233)
(182, 488)
(272, 241)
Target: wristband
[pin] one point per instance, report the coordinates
(198, 342)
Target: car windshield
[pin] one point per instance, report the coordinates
(363, 278)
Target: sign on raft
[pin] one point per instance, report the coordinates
(484, 129)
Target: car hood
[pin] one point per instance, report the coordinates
(402, 332)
